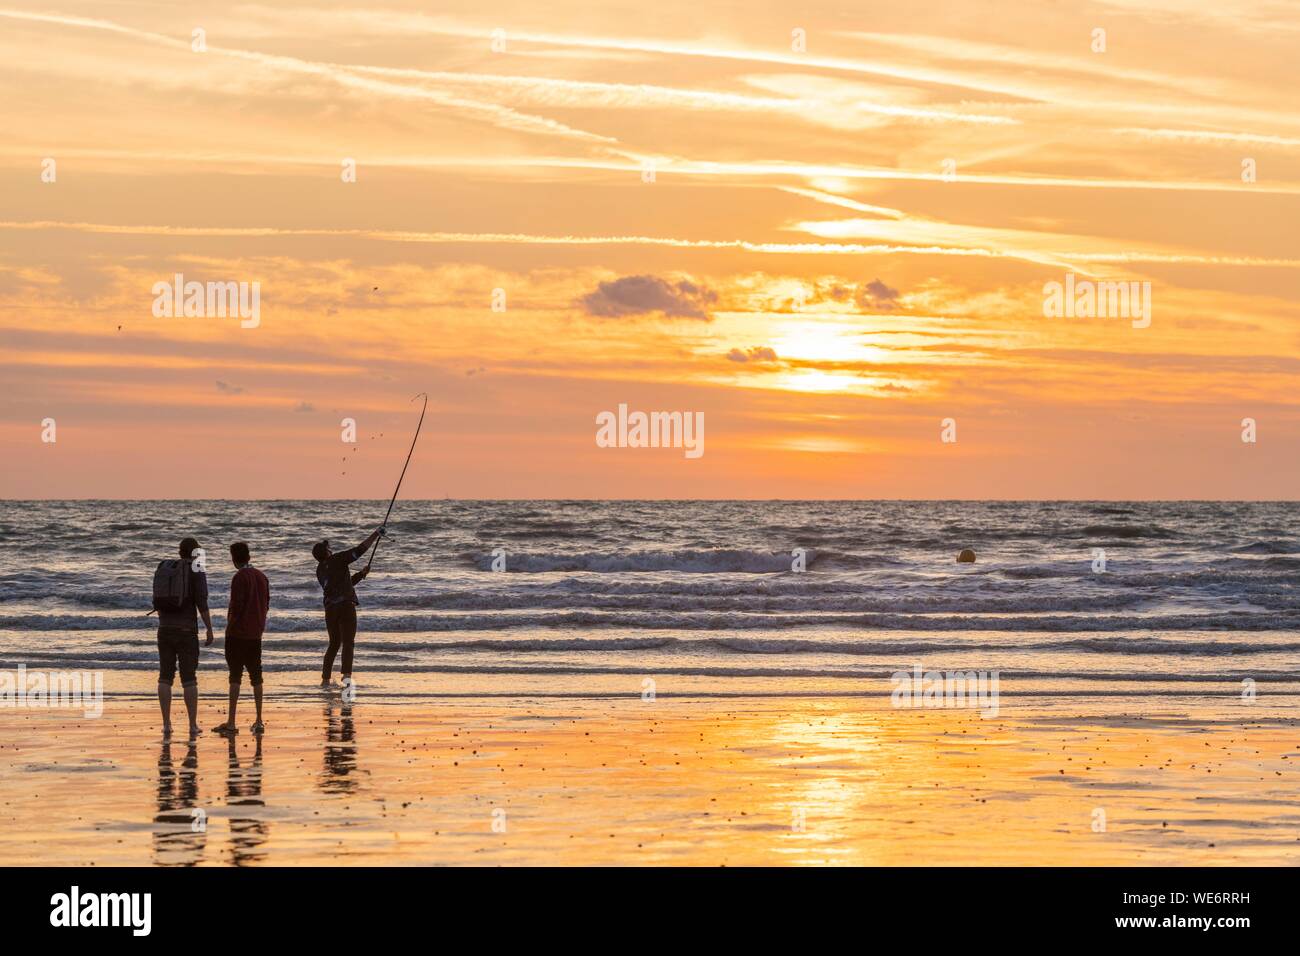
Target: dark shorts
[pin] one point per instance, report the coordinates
(243, 654)
(178, 646)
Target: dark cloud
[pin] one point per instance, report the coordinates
(633, 295)
(228, 389)
(876, 295)
(759, 353)
(304, 407)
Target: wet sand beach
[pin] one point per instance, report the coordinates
(518, 779)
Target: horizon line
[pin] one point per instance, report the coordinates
(703, 499)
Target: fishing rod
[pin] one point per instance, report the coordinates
(400, 477)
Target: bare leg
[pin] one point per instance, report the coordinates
(332, 628)
(192, 707)
(230, 709)
(257, 700)
(165, 703)
(348, 629)
(227, 726)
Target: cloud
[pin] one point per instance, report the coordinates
(228, 389)
(632, 295)
(756, 354)
(876, 295)
(496, 114)
(304, 407)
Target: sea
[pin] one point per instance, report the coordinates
(1066, 599)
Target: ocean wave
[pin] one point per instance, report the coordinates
(1119, 531)
(1040, 572)
(1238, 620)
(1277, 546)
(693, 562)
(131, 649)
(810, 600)
(1090, 680)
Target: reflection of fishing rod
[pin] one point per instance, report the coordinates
(400, 477)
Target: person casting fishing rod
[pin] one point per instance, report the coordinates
(338, 581)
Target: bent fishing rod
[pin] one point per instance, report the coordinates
(400, 477)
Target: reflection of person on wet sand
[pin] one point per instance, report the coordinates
(244, 789)
(340, 751)
(180, 835)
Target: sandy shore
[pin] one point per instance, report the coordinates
(676, 780)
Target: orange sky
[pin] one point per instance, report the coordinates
(806, 268)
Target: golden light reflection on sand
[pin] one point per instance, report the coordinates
(742, 782)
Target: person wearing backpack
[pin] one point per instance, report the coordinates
(180, 596)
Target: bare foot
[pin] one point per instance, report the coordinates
(167, 730)
(258, 727)
(195, 730)
(225, 728)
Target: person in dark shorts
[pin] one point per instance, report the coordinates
(178, 640)
(250, 599)
(337, 581)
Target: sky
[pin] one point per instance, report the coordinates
(827, 228)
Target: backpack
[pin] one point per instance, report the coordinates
(171, 585)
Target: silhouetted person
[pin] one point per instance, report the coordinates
(337, 581)
(250, 599)
(180, 596)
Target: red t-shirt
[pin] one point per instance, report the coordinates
(250, 598)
